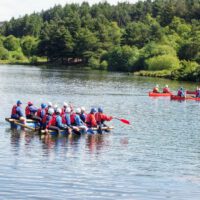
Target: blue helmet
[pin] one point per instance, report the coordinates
(19, 102)
(43, 105)
(100, 110)
(93, 110)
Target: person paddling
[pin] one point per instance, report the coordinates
(166, 89)
(31, 111)
(101, 118)
(78, 122)
(59, 123)
(17, 112)
(198, 93)
(181, 92)
(65, 105)
(83, 114)
(156, 89)
(90, 120)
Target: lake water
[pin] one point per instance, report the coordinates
(158, 157)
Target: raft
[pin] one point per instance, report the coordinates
(81, 132)
(153, 94)
(178, 98)
(17, 124)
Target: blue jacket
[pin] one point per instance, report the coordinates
(68, 119)
(78, 120)
(59, 123)
(33, 109)
(83, 117)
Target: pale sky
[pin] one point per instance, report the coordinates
(17, 8)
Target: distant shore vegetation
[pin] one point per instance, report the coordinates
(159, 38)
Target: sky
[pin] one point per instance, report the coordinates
(17, 8)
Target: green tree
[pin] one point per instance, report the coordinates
(11, 43)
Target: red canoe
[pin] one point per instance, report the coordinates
(153, 94)
(178, 98)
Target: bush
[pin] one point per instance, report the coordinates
(94, 63)
(4, 54)
(123, 58)
(18, 55)
(103, 65)
(11, 43)
(162, 62)
(188, 71)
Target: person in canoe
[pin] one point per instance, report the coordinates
(198, 92)
(41, 112)
(31, 111)
(166, 89)
(156, 89)
(90, 120)
(181, 92)
(17, 112)
(101, 118)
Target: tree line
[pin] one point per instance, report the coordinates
(157, 38)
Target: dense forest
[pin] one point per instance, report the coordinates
(153, 38)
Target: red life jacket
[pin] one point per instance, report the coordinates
(72, 118)
(155, 90)
(63, 111)
(98, 117)
(27, 111)
(63, 118)
(44, 119)
(91, 121)
(52, 122)
(39, 112)
(166, 90)
(14, 110)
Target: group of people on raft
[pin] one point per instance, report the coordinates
(181, 92)
(66, 118)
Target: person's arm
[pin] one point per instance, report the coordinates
(20, 112)
(43, 113)
(107, 118)
(59, 122)
(33, 109)
(68, 120)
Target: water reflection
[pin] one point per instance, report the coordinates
(95, 143)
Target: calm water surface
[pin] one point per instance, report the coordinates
(158, 157)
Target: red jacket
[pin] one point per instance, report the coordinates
(155, 90)
(91, 121)
(14, 110)
(100, 117)
(166, 90)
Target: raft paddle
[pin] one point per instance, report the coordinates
(123, 120)
(25, 126)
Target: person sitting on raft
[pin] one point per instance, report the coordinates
(58, 121)
(49, 105)
(181, 92)
(83, 114)
(17, 112)
(49, 121)
(65, 106)
(101, 118)
(78, 122)
(41, 112)
(156, 89)
(166, 89)
(31, 111)
(90, 120)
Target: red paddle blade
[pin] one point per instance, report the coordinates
(124, 121)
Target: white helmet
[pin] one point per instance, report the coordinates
(83, 109)
(166, 86)
(65, 104)
(157, 85)
(68, 110)
(55, 106)
(51, 111)
(50, 104)
(58, 110)
(78, 110)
